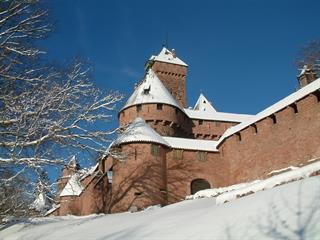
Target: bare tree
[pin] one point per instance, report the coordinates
(309, 55)
(47, 112)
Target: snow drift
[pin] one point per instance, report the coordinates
(289, 211)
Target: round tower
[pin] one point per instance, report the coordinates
(140, 179)
(154, 103)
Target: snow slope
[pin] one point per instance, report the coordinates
(264, 215)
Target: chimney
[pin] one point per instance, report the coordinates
(174, 53)
(307, 75)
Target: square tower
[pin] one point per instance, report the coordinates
(172, 71)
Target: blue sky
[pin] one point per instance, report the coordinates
(240, 53)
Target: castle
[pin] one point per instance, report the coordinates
(167, 151)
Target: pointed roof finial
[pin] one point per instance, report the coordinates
(73, 163)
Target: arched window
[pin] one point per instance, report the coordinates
(199, 184)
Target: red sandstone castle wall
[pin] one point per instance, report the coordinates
(169, 121)
(181, 172)
(211, 130)
(292, 140)
(92, 200)
(140, 180)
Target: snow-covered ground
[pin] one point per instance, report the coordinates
(284, 212)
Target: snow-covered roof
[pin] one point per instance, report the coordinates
(217, 116)
(88, 171)
(73, 162)
(151, 90)
(73, 186)
(192, 144)
(167, 56)
(204, 105)
(313, 86)
(139, 131)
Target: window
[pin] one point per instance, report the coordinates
(202, 156)
(255, 128)
(238, 134)
(317, 94)
(274, 119)
(155, 150)
(199, 184)
(200, 122)
(294, 107)
(159, 106)
(139, 107)
(178, 154)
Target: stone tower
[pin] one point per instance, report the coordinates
(172, 71)
(307, 75)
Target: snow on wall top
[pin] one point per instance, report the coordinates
(192, 144)
(151, 90)
(139, 131)
(204, 105)
(313, 86)
(167, 56)
(217, 116)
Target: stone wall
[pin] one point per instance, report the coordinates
(288, 138)
(140, 180)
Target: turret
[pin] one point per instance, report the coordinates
(68, 170)
(307, 75)
(152, 101)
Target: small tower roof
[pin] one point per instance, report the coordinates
(139, 131)
(204, 105)
(168, 56)
(151, 90)
(73, 162)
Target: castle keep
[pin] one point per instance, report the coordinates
(167, 151)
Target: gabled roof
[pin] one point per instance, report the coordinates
(204, 110)
(151, 90)
(167, 56)
(139, 131)
(204, 105)
(192, 144)
(217, 116)
(292, 98)
(74, 186)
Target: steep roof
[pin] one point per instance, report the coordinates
(167, 56)
(139, 131)
(192, 144)
(74, 186)
(151, 90)
(204, 105)
(204, 110)
(311, 87)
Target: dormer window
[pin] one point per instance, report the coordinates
(146, 90)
